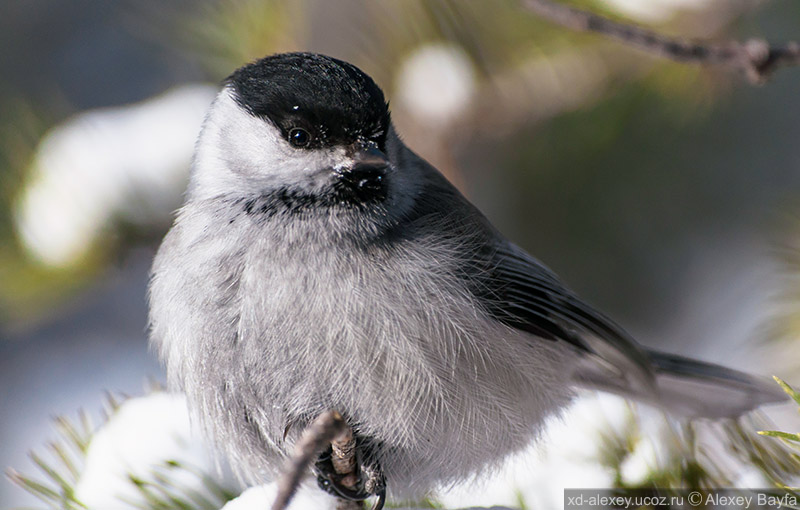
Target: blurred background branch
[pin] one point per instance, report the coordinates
(756, 57)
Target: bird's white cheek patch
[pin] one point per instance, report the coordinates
(239, 152)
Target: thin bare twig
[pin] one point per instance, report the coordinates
(755, 57)
(327, 428)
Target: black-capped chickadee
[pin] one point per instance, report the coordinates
(318, 264)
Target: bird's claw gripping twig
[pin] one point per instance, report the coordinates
(356, 484)
(338, 472)
(322, 431)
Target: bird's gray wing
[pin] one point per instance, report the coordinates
(519, 291)
(522, 293)
(527, 296)
(516, 289)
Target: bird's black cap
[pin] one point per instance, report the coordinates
(332, 100)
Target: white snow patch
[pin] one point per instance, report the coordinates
(130, 161)
(566, 457)
(262, 496)
(436, 83)
(655, 11)
(139, 439)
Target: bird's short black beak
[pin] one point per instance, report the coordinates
(366, 178)
(369, 158)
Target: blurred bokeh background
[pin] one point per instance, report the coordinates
(665, 194)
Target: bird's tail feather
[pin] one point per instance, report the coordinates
(686, 387)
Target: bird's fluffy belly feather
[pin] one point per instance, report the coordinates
(320, 328)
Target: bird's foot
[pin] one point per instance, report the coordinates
(366, 481)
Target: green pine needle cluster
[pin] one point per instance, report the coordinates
(792, 438)
(789, 439)
(59, 475)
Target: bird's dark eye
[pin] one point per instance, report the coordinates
(299, 137)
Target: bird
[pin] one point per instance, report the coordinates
(319, 264)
